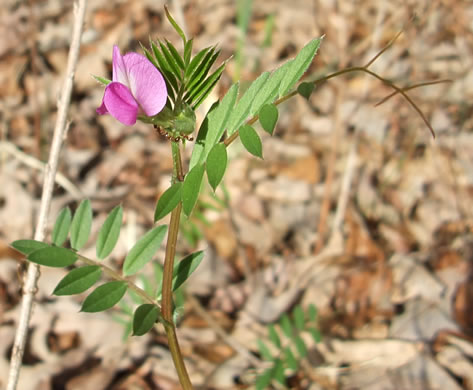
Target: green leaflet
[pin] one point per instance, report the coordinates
(217, 119)
(53, 256)
(28, 246)
(81, 224)
(216, 164)
(298, 66)
(143, 251)
(243, 108)
(268, 116)
(109, 233)
(78, 280)
(144, 318)
(184, 268)
(61, 226)
(191, 188)
(168, 201)
(104, 297)
(305, 89)
(251, 140)
(269, 91)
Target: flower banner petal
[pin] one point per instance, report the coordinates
(119, 72)
(120, 103)
(146, 83)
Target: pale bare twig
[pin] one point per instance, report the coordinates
(49, 179)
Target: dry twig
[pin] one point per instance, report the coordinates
(49, 179)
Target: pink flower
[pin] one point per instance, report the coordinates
(136, 87)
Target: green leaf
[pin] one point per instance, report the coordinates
(198, 75)
(104, 297)
(174, 24)
(185, 268)
(168, 201)
(216, 164)
(188, 51)
(243, 107)
(312, 312)
(144, 250)
(268, 116)
(53, 256)
(278, 372)
(102, 80)
(175, 55)
(191, 188)
(269, 91)
(264, 379)
(78, 280)
(290, 360)
(109, 233)
(298, 66)
(218, 119)
(316, 335)
(198, 150)
(144, 319)
(28, 246)
(81, 224)
(207, 87)
(264, 350)
(61, 226)
(251, 140)
(173, 65)
(273, 336)
(300, 345)
(305, 89)
(299, 318)
(203, 90)
(196, 61)
(164, 67)
(286, 326)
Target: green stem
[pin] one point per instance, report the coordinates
(166, 302)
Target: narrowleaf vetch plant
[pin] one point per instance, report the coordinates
(163, 88)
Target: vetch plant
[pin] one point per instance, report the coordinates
(164, 88)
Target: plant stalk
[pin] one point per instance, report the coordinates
(167, 303)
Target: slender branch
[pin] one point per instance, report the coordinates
(166, 302)
(30, 285)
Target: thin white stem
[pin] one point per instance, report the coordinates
(48, 185)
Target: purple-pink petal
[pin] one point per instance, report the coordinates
(119, 71)
(120, 103)
(146, 83)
